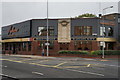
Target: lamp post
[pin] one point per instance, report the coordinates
(103, 43)
(47, 32)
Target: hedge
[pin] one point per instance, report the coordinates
(106, 52)
(73, 52)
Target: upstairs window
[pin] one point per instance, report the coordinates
(118, 20)
(102, 31)
(83, 30)
(110, 31)
(42, 31)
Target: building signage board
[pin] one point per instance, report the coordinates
(16, 30)
(47, 44)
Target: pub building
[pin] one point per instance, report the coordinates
(74, 34)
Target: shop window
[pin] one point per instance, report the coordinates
(80, 48)
(86, 48)
(29, 46)
(19, 46)
(110, 31)
(61, 48)
(51, 46)
(10, 46)
(110, 46)
(24, 46)
(6, 46)
(64, 46)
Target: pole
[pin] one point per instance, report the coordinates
(47, 31)
(103, 37)
(103, 55)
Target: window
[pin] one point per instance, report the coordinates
(42, 31)
(29, 46)
(118, 20)
(83, 30)
(6, 46)
(110, 31)
(24, 46)
(51, 46)
(51, 32)
(102, 31)
(87, 30)
(19, 46)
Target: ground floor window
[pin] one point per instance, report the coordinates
(64, 46)
(6, 46)
(83, 45)
(110, 46)
(24, 46)
(29, 46)
(41, 45)
(107, 45)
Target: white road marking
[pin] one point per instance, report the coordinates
(86, 72)
(38, 73)
(111, 65)
(6, 75)
(108, 65)
(2, 66)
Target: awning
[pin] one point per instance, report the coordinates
(16, 40)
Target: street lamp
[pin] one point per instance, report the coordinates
(47, 32)
(103, 43)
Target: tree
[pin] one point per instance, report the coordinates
(86, 15)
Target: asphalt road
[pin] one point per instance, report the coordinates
(23, 68)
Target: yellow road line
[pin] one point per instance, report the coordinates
(42, 61)
(3, 59)
(14, 61)
(104, 60)
(60, 64)
(28, 59)
(72, 66)
(41, 65)
(11, 60)
(88, 65)
(56, 66)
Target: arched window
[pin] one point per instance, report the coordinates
(110, 31)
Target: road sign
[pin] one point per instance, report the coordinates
(47, 44)
(102, 44)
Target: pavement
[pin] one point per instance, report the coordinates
(31, 67)
(61, 58)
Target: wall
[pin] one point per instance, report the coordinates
(42, 23)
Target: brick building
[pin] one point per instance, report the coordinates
(29, 37)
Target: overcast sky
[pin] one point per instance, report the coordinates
(14, 12)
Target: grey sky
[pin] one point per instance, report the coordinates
(14, 12)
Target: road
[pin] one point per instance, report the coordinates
(35, 68)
